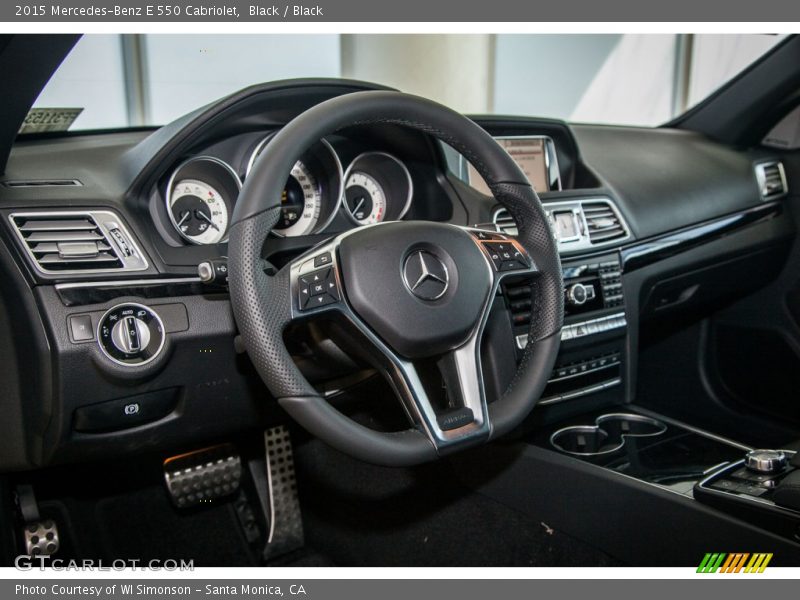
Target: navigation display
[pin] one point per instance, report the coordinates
(529, 154)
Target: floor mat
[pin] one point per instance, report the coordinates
(371, 516)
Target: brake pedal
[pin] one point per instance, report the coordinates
(285, 524)
(203, 476)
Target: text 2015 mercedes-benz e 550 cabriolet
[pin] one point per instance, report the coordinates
(325, 322)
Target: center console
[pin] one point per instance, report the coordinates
(593, 337)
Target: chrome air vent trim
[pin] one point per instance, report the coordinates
(72, 242)
(771, 178)
(598, 222)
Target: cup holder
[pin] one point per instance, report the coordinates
(607, 435)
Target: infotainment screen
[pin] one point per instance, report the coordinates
(531, 156)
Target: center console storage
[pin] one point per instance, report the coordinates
(646, 447)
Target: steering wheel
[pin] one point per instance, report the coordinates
(413, 290)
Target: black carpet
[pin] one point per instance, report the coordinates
(362, 515)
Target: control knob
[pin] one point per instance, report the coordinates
(766, 461)
(577, 294)
(131, 334)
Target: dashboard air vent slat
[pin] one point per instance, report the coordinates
(771, 179)
(505, 222)
(77, 242)
(602, 222)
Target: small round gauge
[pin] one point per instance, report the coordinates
(364, 198)
(200, 197)
(199, 211)
(378, 188)
(301, 203)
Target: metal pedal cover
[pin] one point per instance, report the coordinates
(285, 521)
(202, 476)
(41, 538)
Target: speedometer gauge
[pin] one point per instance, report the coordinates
(364, 198)
(313, 190)
(199, 211)
(301, 203)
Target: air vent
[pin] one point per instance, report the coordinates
(40, 183)
(602, 222)
(771, 180)
(581, 224)
(77, 242)
(505, 222)
(519, 302)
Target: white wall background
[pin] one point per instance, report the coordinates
(624, 79)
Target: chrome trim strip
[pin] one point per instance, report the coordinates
(111, 221)
(570, 332)
(599, 387)
(126, 283)
(698, 431)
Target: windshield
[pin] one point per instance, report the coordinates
(122, 81)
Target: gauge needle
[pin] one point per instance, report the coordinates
(206, 218)
(184, 215)
(359, 205)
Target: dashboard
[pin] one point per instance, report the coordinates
(99, 229)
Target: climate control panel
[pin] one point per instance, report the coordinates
(131, 334)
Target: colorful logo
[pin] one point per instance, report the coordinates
(737, 562)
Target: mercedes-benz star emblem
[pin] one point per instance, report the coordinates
(425, 275)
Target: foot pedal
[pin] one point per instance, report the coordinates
(285, 521)
(41, 538)
(203, 476)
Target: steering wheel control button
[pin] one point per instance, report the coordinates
(80, 328)
(505, 256)
(131, 334)
(318, 289)
(766, 461)
(425, 275)
(453, 419)
(322, 260)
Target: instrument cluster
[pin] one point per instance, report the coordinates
(375, 186)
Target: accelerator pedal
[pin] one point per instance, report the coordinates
(203, 476)
(40, 535)
(284, 521)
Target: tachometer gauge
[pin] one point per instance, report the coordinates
(301, 203)
(200, 197)
(364, 198)
(199, 211)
